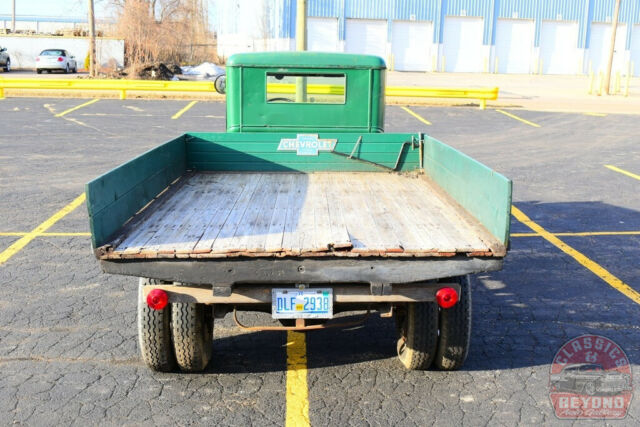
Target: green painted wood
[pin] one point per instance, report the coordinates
(249, 111)
(257, 151)
(117, 195)
(483, 192)
(309, 59)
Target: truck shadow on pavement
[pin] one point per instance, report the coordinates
(521, 315)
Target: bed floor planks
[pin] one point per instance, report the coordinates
(360, 224)
(224, 240)
(296, 214)
(477, 237)
(252, 232)
(217, 191)
(382, 217)
(174, 225)
(151, 225)
(275, 233)
(402, 224)
(457, 228)
(339, 233)
(292, 226)
(220, 211)
(419, 207)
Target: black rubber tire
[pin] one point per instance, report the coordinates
(154, 333)
(455, 329)
(192, 335)
(66, 70)
(39, 71)
(7, 66)
(417, 326)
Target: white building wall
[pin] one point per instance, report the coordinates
(24, 49)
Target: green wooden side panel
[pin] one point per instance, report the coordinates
(376, 152)
(483, 192)
(117, 195)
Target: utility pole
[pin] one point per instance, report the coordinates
(92, 41)
(301, 45)
(13, 16)
(614, 27)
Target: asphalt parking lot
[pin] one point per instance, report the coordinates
(68, 349)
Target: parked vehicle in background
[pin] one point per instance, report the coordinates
(5, 60)
(56, 60)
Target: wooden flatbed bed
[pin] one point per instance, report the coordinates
(279, 214)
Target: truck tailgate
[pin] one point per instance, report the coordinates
(279, 214)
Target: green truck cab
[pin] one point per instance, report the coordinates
(303, 209)
(340, 92)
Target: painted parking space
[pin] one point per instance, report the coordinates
(84, 344)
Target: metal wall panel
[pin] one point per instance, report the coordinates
(480, 8)
(367, 9)
(325, 8)
(517, 9)
(418, 10)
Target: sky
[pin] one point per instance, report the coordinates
(57, 8)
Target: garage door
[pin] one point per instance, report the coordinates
(367, 37)
(322, 34)
(635, 49)
(462, 44)
(411, 45)
(514, 45)
(559, 47)
(600, 44)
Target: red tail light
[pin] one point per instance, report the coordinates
(157, 299)
(37, 58)
(446, 297)
(60, 59)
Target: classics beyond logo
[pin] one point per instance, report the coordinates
(590, 379)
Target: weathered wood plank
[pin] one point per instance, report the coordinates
(320, 214)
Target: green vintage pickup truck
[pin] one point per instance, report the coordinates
(303, 209)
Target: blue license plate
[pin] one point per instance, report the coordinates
(308, 303)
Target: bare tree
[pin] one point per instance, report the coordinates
(168, 31)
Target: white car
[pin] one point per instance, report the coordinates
(56, 59)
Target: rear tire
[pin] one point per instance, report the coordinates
(7, 66)
(154, 332)
(39, 71)
(192, 334)
(66, 70)
(417, 334)
(455, 329)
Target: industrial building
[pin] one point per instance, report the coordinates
(503, 36)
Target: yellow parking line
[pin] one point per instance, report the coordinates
(24, 240)
(297, 390)
(417, 116)
(592, 266)
(184, 110)
(20, 234)
(513, 116)
(582, 234)
(93, 101)
(595, 114)
(622, 171)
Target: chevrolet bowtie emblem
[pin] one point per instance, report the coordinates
(307, 144)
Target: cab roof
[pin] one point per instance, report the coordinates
(305, 60)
